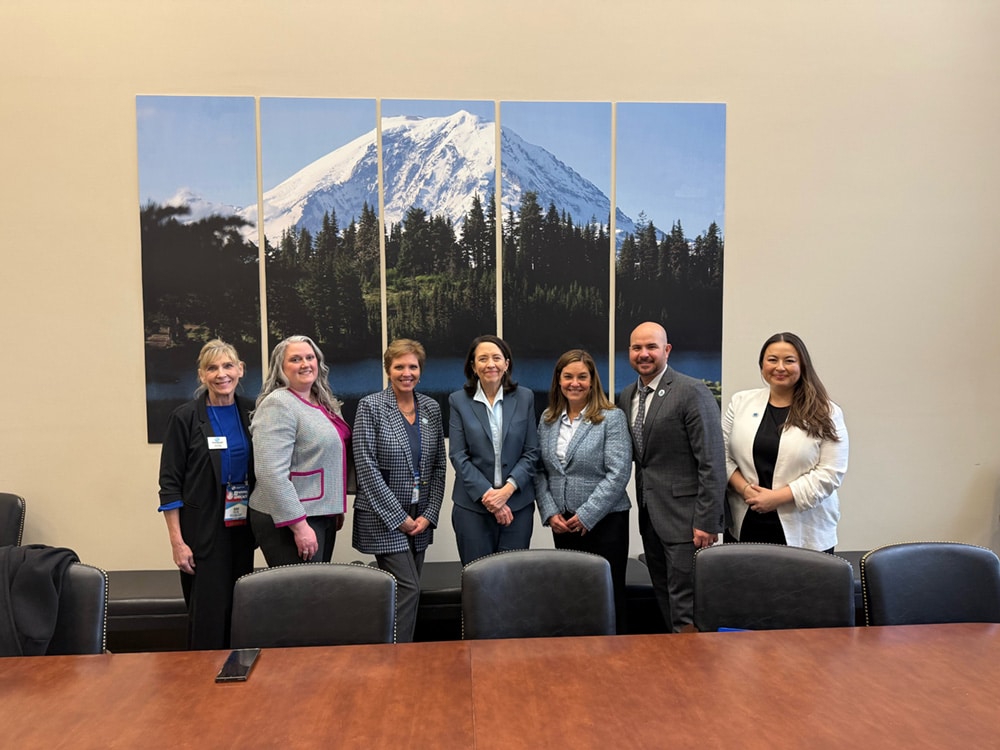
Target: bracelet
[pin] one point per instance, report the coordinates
(744, 490)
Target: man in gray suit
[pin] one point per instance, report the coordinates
(680, 469)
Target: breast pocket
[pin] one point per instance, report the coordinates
(309, 485)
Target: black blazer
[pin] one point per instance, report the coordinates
(190, 472)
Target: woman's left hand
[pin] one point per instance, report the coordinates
(576, 525)
(504, 516)
(420, 525)
(763, 500)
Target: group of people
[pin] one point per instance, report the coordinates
(276, 474)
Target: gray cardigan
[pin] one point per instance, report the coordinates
(592, 481)
(299, 460)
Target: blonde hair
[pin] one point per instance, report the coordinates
(211, 351)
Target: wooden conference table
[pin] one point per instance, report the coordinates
(910, 686)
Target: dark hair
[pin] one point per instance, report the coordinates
(471, 379)
(810, 408)
(593, 412)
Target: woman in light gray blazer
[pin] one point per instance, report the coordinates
(301, 448)
(586, 460)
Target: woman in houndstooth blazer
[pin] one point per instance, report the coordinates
(400, 459)
(301, 448)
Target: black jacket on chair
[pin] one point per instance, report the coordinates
(30, 582)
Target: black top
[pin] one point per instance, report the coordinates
(766, 527)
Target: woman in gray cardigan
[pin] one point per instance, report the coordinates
(301, 446)
(586, 460)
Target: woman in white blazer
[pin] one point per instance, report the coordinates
(786, 453)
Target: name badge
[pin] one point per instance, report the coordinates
(237, 496)
(218, 443)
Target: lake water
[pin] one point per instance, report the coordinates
(442, 375)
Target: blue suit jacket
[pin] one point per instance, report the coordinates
(471, 448)
(592, 482)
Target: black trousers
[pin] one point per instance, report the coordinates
(278, 544)
(609, 539)
(209, 592)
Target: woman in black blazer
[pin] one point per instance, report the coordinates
(206, 474)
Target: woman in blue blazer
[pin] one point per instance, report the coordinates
(586, 460)
(494, 448)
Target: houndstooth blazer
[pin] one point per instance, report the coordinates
(299, 459)
(384, 465)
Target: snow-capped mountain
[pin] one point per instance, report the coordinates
(434, 163)
(200, 208)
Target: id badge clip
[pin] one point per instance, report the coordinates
(237, 503)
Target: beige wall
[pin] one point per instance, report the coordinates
(862, 180)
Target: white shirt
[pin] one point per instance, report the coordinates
(495, 413)
(567, 427)
(653, 385)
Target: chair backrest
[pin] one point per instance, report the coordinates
(771, 587)
(82, 622)
(11, 519)
(928, 582)
(314, 604)
(537, 593)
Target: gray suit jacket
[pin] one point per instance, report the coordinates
(592, 480)
(299, 460)
(681, 472)
(471, 448)
(384, 464)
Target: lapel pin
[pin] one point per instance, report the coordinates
(660, 393)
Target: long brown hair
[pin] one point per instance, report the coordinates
(593, 412)
(810, 410)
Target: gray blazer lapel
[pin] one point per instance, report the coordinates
(549, 437)
(657, 397)
(579, 436)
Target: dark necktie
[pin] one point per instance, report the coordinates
(640, 416)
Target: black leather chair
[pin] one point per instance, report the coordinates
(11, 519)
(929, 582)
(82, 622)
(771, 587)
(537, 593)
(314, 604)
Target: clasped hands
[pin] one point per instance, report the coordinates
(760, 499)
(573, 525)
(495, 501)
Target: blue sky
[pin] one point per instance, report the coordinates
(670, 159)
(206, 143)
(297, 132)
(671, 163)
